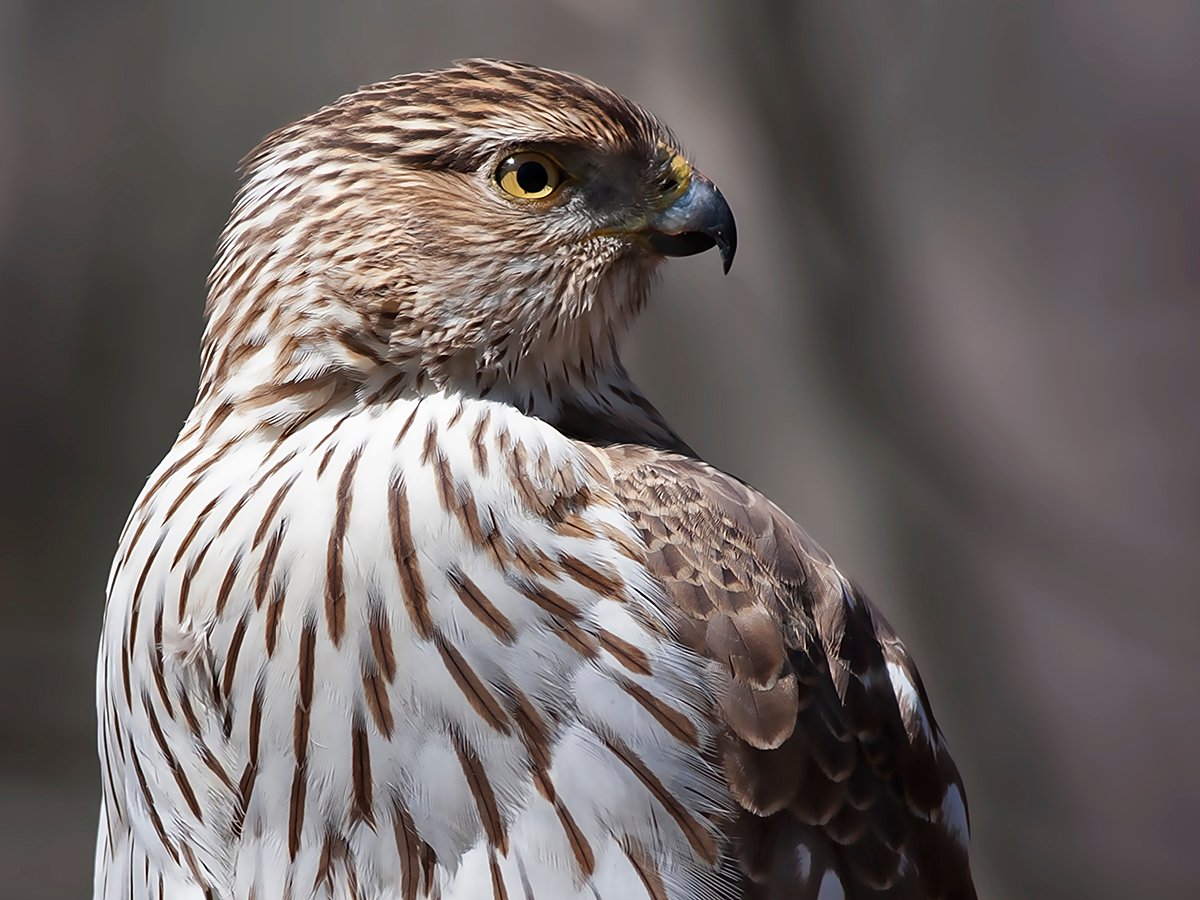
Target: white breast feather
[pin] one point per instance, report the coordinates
(418, 767)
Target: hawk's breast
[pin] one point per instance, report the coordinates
(407, 648)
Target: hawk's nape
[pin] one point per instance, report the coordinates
(428, 601)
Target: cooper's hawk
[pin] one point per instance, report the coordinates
(427, 600)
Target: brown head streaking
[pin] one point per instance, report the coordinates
(377, 234)
(428, 601)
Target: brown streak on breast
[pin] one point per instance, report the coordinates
(479, 451)
(296, 803)
(201, 517)
(363, 808)
(193, 483)
(628, 655)
(429, 449)
(137, 536)
(216, 420)
(482, 700)
(576, 638)
(375, 690)
(113, 807)
(306, 665)
(478, 604)
(485, 798)
(156, 663)
(266, 566)
(216, 768)
(428, 870)
(325, 863)
(151, 809)
(549, 600)
(444, 479)
(185, 583)
(189, 859)
(185, 786)
(125, 674)
(536, 741)
(574, 525)
(585, 857)
(231, 657)
(233, 511)
(565, 494)
(189, 715)
(646, 870)
(496, 544)
(468, 517)
(115, 732)
(697, 836)
(625, 545)
(381, 642)
(335, 586)
(148, 497)
(411, 580)
(518, 472)
(274, 614)
(254, 488)
(332, 431)
(606, 584)
(407, 423)
(499, 892)
(325, 458)
(272, 510)
(220, 452)
(136, 604)
(407, 849)
(307, 672)
(227, 585)
(278, 391)
(535, 563)
(673, 721)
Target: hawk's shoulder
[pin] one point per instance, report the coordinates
(829, 744)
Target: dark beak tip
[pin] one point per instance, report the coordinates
(727, 247)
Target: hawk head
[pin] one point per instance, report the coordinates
(492, 226)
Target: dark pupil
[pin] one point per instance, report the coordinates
(532, 177)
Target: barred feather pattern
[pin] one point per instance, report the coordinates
(427, 601)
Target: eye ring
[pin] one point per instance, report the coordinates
(529, 176)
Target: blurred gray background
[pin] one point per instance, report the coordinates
(961, 345)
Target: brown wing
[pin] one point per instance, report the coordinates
(830, 747)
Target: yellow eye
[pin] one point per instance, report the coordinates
(529, 176)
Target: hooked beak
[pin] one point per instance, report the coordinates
(698, 220)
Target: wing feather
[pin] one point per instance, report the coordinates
(829, 745)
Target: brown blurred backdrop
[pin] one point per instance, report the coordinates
(961, 345)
